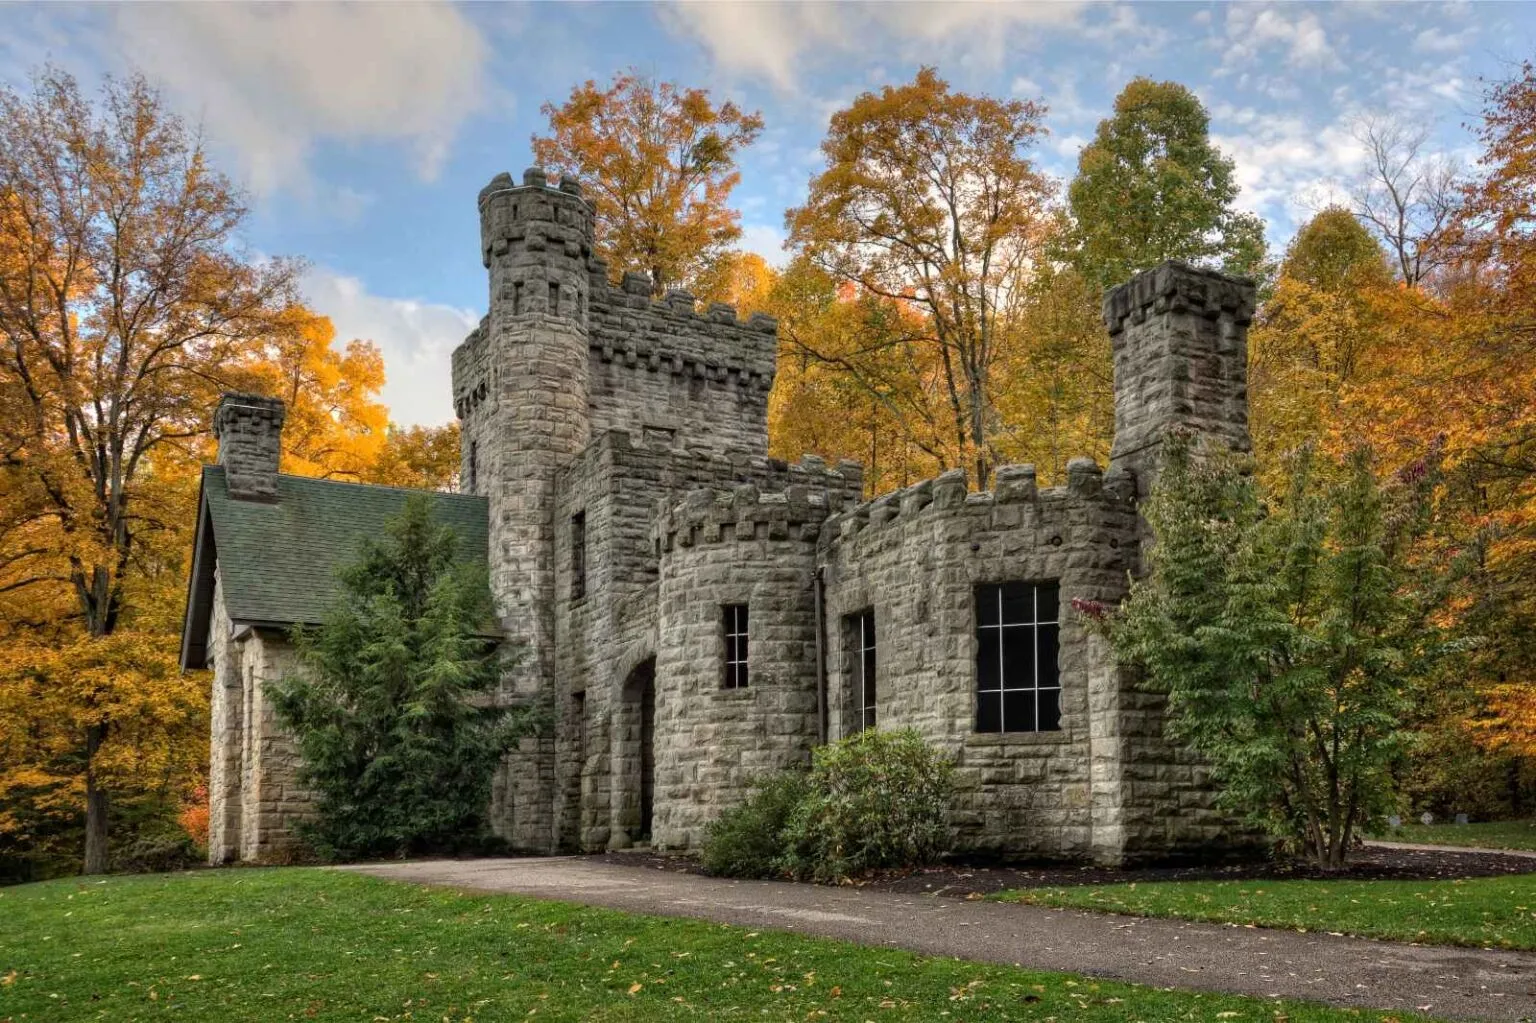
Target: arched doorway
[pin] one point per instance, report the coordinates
(637, 773)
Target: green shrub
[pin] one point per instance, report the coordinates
(748, 839)
(875, 799)
(155, 852)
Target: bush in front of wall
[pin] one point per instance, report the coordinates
(875, 800)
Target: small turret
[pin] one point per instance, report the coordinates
(1180, 340)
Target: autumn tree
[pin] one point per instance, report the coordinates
(928, 202)
(1151, 186)
(742, 279)
(848, 386)
(426, 457)
(1470, 372)
(1055, 391)
(659, 162)
(335, 427)
(1321, 332)
(124, 302)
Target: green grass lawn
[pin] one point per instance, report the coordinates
(1495, 912)
(321, 945)
(1494, 835)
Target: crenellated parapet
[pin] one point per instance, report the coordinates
(534, 217)
(1015, 500)
(743, 513)
(1178, 287)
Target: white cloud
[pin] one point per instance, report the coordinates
(1252, 29)
(416, 338)
(1283, 163)
(765, 240)
(1435, 40)
(270, 81)
(771, 40)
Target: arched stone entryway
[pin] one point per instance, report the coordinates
(635, 757)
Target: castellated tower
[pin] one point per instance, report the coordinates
(1180, 341)
(520, 388)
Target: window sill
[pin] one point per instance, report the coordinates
(1061, 737)
(739, 693)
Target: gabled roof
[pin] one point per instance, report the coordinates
(277, 560)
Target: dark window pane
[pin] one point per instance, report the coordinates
(1050, 710)
(986, 605)
(1047, 602)
(1019, 711)
(989, 708)
(988, 677)
(1047, 674)
(869, 717)
(1018, 603)
(1018, 657)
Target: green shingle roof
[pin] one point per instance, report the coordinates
(277, 560)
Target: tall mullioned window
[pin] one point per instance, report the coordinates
(859, 633)
(735, 647)
(1018, 687)
(578, 555)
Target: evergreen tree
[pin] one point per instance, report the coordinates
(393, 716)
(1289, 640)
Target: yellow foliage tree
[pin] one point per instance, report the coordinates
(929, 203)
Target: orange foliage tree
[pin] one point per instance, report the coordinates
(660, 162)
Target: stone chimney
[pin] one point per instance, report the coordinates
(249, 430)
(1180, 339)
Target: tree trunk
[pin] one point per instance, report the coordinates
(95, 806)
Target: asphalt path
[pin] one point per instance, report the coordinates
(1449, 983)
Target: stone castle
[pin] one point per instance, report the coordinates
(699, 614)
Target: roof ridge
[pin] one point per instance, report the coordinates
(366, 486)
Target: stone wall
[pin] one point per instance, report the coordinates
(916, 557)
(711, 742)
(663, 370)
(255, 801)
(607, 638)
(226, 742)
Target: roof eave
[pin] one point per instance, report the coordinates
(194, 628)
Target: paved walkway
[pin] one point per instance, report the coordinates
(1444, 982)
(1417, 847)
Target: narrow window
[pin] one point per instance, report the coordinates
(554, 299)
(578, 555)
(859, 633)
(1018, 688)
(735, 646)
(474, 465)
(579, 728)
(517, 298)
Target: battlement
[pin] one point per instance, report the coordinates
(949, 494)
(698, 467)
(671, 333)
(709, 516)
(534, 216)
(1178, 287)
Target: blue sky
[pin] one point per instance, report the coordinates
(363, 132)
